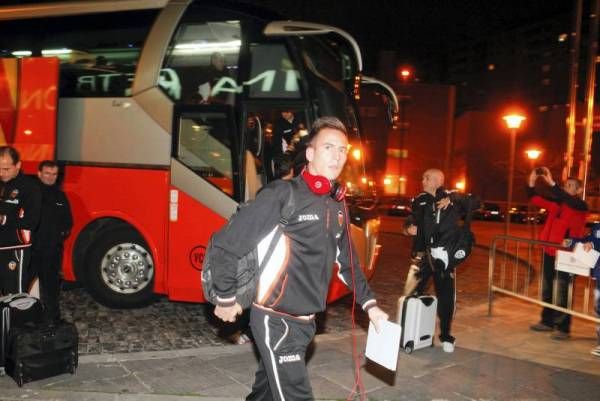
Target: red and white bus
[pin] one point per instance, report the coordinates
(164, 123)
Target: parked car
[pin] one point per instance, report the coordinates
(400, 207)
(592, 218)
(361, 209)
(527, 214)
(488, 211)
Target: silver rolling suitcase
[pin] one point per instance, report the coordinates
(417, 317)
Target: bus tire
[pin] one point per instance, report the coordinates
(120, 270)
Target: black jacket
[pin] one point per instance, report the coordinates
(283, 130)
(55, 220)
(20, 202)
(296, 278)
(435, 226)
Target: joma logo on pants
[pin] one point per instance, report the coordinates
(289, 358)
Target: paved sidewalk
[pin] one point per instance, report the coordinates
(496, 358)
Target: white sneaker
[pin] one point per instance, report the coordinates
(595, 351)
(447, 346)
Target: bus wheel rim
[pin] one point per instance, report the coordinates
(127, 268)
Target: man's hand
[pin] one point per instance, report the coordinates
(228, 313)
(567, 242)
(548, 177)
(375, 315)
(443, 203)
(411, 230)
(532, 178)
(588, 246)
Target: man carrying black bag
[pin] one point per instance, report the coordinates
(294, 283)
(435, 223)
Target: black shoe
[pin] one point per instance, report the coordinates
(560, 336)
(540, 327)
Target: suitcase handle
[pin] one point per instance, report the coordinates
(23, 303)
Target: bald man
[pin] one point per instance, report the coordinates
(435, 218)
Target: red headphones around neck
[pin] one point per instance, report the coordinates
(321, 185)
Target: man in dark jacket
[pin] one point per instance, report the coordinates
(284, 129)
(294, 284)
(565, 218)
(55, 224)
(20, 202)
(434, 221)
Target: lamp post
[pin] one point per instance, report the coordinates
(404, 75)
(513, 122)
(533, 155)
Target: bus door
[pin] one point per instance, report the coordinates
(204, 186)
(200, 74)
(28, 98)
(276, 113)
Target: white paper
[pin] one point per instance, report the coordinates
(587, 258)
(383, 347)
(566, 262)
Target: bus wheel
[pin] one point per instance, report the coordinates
(120, 270)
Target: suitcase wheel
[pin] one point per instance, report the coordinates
(408, 348)
(19, 375)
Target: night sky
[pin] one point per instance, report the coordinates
(418, 29)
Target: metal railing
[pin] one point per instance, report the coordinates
(513, 264)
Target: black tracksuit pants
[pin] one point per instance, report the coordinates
(445, 291)
(14, 270)
(550, 317)
(46, 265)
(281, 341)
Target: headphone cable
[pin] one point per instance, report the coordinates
(358, 386)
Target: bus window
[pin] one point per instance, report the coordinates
(98, 53)
(205, 146)
(202, 61)
(273, 75)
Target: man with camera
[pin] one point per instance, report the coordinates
(566, 218)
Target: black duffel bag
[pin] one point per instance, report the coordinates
(16, 311)
(40, 351)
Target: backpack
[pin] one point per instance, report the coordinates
(460, 245)
(248, 269)
(459, 242)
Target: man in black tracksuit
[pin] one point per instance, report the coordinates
(55, 224)
(294, 283)
(20, 201)
(434, 221)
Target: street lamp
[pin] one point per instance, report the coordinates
(533, 154)
(513, 122)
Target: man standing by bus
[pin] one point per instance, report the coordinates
(20, 202)
(55, 224)
(294, 283)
